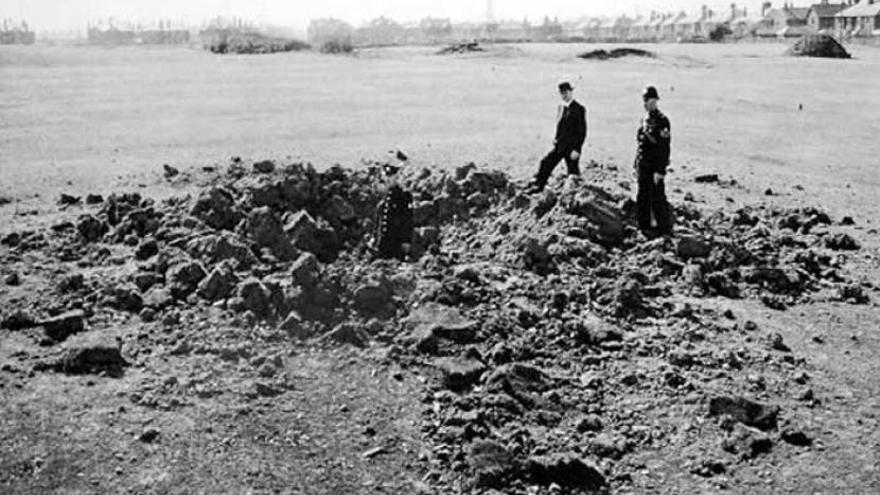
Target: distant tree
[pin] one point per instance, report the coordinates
(436, 29)
(720, 32)
(321, 31)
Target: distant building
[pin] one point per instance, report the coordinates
(110, 36)
(740, 23)
(164, 32)
(549, 30)
(591, 29)
(511, 31)
(668, 27)
(820, 17)
(787, 21)
(862, 19)
(696, 26)
(381, 31)
(641, 28)
(608, 29)
(16, 33)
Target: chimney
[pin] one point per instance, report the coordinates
(766, 8)
(704, 13)
(733, 11)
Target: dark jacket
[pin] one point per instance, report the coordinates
(394, 226)
(653, 138)
(571, 129)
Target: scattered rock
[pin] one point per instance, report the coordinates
(565, 470)
(432, 322)
(147, 249)
(68, 199)
(796, 437)
(147, 315)
(459, 373)
(294, 327)
(126, 298)
(158, 298)
(747, 442)
(777, 343)
(216, 207)
(18, 319)
(183, 278)
(71, 283)
(491, 463)
(265, 228)
(91, 353)
(13, 279)
(255, 297)
(608, 445)
(264, 167)
(346, 334)
(169, 172)
(706, 179)
(372, 297)
(149, 435)
(841, 242)
(218, 284)
(745, 411)
(60, 327)
(305, 270)
(90, 228)
(689, 247)
(589, 422)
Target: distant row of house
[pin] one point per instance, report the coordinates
(16, 33)
(844, 20)
(852, 18)
(164, 32)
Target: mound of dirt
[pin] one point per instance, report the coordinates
(818, 45)
(236, 41)
(465, 47)
(551, 332)
(602, 54)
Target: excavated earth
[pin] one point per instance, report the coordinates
(533, 344)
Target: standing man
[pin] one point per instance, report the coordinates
(571, 131)
(394, 223)
(652, 158)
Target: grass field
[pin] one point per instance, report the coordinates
(89, 115)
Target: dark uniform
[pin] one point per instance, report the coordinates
(394, 225)
(571, 132)
(652, 157)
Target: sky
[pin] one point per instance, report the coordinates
(74, 14)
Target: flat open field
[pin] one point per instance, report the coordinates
(85, 114)
(193, 413)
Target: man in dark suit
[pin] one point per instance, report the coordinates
(571, 131)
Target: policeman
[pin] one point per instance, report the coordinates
(394, 225)
(652, 158)
(571, 131)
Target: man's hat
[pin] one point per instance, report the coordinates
(565, 86)
(650, 92)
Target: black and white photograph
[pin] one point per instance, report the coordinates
(409, 247)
